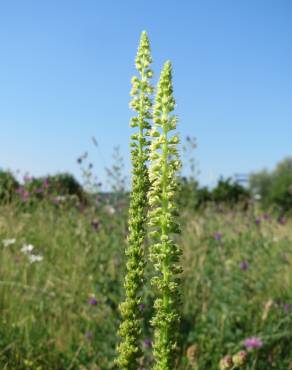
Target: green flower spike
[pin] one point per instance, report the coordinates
(130, 329)
(164, 252)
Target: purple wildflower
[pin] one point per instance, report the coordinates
(287, 307)
(266, 217)
(282, 221)
(253, 342)
(148, 343)
(218, 236)
(25, 196)
(244, 265)
(20, 190)
(88, 335)
(92, 301)
(142, 306)
(257, 221)
(46, 183)
(39, 190)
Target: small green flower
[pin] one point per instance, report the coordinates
(164, 252)
(130, 329)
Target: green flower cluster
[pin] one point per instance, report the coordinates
(130, 328)
(153, 201)
(164, 252)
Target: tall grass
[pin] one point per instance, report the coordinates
(62, 312)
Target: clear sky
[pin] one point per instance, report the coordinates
(65, 67)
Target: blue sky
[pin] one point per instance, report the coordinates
(65, 68)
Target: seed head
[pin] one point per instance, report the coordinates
(226, 363)
(192, 354)
(240, 358)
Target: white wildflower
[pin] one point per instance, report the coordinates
(35, 258)
(8, 242)
(110, 210)
(61, 198)
(27, 248)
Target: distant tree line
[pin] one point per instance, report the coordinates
(272, 189)
(38, 188)
(227, 192)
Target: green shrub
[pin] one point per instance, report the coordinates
(65, 184)
(229, 192)
(8, 186)
(260, 184)
(192, 196)
(204, 196)
(275, 187)
(281, 189)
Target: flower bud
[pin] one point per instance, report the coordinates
(134, 80)
(240, 358)
(226, 363)
(149, 73)
(192, 354)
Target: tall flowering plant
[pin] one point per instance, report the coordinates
(155, 166)
(153, 201)
(164, 252)
(130, 329)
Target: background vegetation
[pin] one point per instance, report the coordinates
(62, 267)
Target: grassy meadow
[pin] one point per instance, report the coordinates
(61, 277)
